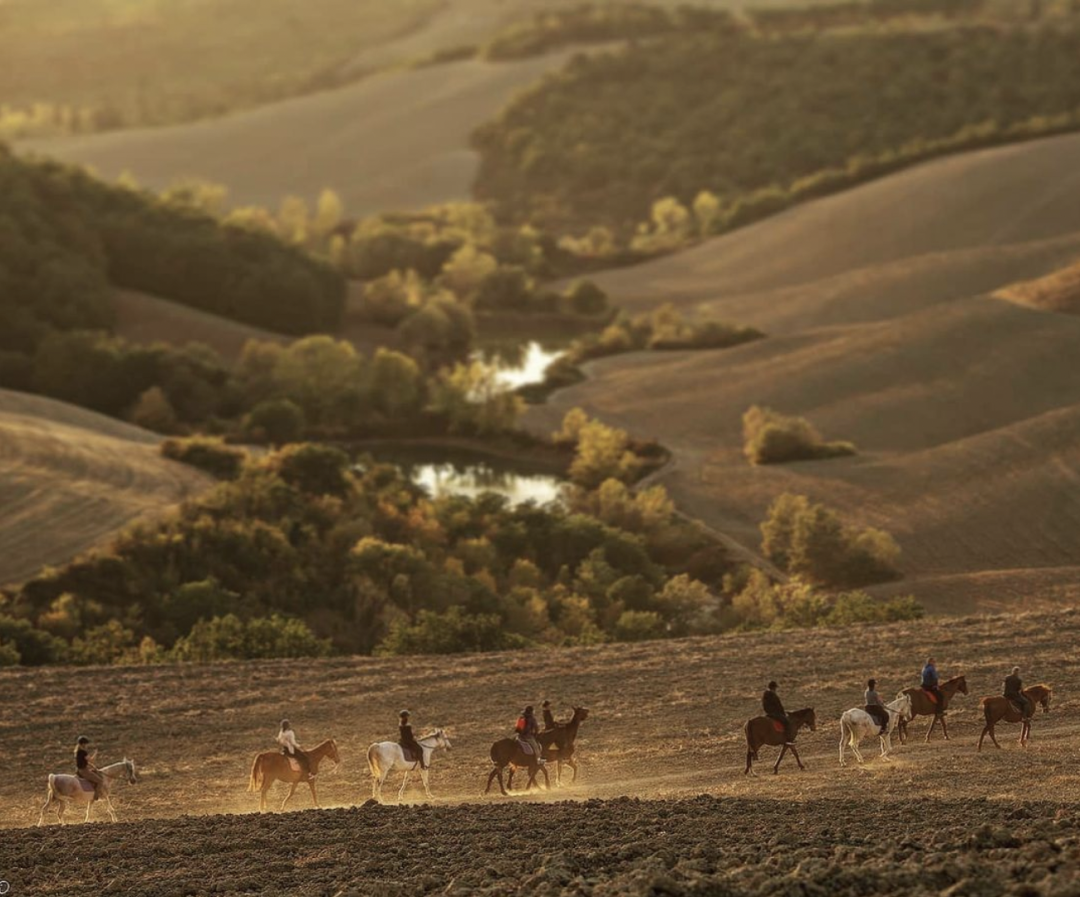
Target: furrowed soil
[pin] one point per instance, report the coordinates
(661, 805)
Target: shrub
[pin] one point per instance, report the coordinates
(279, 421)
(603, 453)
(314, 469)
(639, 626)
(206, 453)
(230, 638)
(452, 632)
(773, 438)
(810, 541)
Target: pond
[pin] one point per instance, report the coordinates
(518, 364)
(443, 470)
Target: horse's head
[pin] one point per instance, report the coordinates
(961, 684)
(806, 717)
(1047, 694)
(580, 714)
(902, 705)
(332, 752)
(441, 739)
(129, 769)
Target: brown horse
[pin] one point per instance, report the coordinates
(271, 766)
(921, 705)
(507, 752)
(558, 743)
(1000, 709)
(762, 730)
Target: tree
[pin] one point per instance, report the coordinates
(395, 383)
(314, 469)
(466, 270)
(602, 453)
(453, 632)
(328, 212)
(583, 297)
(279, 421)
(706, 212)
(321, 375)
(154, 411)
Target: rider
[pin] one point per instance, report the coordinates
(1014, 691)
(549, 718)
(774, 709)
(875, 706)
(84, 765)
(286, 737)
(930, 684)
(527, 728)
(408, 741)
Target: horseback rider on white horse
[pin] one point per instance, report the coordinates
(856, 724)
(386, 756)
(89, 784)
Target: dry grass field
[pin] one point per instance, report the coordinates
(396, 141)
(884, 331)
(663, 749)
(1059, 292)
(72, 478)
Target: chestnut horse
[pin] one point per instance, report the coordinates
(1000, 709)
(558, 744)
(762, 730)
(507, 752)
(921, 705)
(271, 766)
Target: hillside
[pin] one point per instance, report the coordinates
(1059, 292)
(882, 331)
(72, 478)
(397, 141)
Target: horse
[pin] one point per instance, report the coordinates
(386, 756)
(856, 724)
(998, 709)
(509, 752)
(922, 705)
(271, 766)
(558, 744)
(762, 730)
(67, 789)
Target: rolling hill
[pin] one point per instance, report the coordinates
(72, 478)
(1059, 291)
(883, 330)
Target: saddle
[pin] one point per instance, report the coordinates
(84, 784)
(779, 726)
(294, 764)
(525, 747)
(880, 716)
(930, 696)
(410, 754)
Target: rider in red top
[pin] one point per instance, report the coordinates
(527, 728)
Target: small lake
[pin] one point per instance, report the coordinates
(443, 470)
(518, 364)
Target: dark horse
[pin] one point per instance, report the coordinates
(762, 730)
(507, 752)
(558, 744)
(999, 708)
(271, 766)
(922, 705)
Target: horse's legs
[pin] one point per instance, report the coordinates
(262, 797)
(48, 800)
(314, 797)
(783, 750)
(424, 778)
(944, 727)
(510, 777)
(798, 759)
(843, 738)
(404, 782)
(572, 763)
(933, 723)
(855, 740)
(60, 808)
(886, 745)
(88, 808)
(749, 763)
(497, 771)
(547, 778)
(993, 738)
(109, 807)
(292, 791)
(982, 737)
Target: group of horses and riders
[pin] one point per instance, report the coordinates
(931, 698)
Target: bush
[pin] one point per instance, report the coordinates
(810, 541)
(773, 438)
(314, 469)
(230, 638)
(278, 421)
(452, 632)
(206, 453)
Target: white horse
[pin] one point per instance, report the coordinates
(856, 724)
(65, 789)
(386, 756)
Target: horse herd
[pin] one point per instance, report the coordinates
(857, 724)
(558, 747)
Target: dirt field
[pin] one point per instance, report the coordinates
(665, 724)
(965, 409)
(72, 478)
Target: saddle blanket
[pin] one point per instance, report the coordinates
(294, 765)
(930, 696)
(85, 785)
(526, 748)
(410, 755)
(778, 726)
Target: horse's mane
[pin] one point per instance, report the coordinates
(955, 679)
(802, 712)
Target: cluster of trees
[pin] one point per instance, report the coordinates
(773, 438)
(683, 131)
(810, 541)
(604, 453)
(591, 23)
(66, 238)
(305, 552)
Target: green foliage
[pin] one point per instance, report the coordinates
(33, 646)
(773, 438)
(230, 638)
(810, 541)
(452, 632)
(314, 469)
(473, 402)
(796, 604)
(603, 453)
(207, 453)
(621, 137)
(278, 421)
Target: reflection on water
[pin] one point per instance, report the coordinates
(445, 471)
(518, 364)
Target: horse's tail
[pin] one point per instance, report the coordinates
(751, 748)
(52, 786)
(255, 783)
(986, 703)
(373, 761)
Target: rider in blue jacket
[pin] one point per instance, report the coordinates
(930, 682)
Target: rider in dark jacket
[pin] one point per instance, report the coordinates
(549, 718)
(774, 709)
(1014, 691)
(930, 682)
(875, 706)
(408, 741)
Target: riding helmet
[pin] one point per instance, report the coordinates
(83, 740)
(773, 686)
(404, 714)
